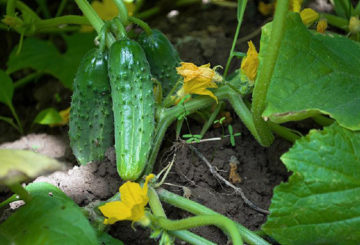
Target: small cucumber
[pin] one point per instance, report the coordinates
(91, 125)
(163, 58)
(133, 106)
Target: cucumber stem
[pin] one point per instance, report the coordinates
(142, 24)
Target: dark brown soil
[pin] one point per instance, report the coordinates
(202, 34)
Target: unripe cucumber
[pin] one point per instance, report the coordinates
(91, 125)
(133, 106)
(163, 58)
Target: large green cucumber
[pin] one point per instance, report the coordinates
(163, 58)
(133, 106)
(91, 125)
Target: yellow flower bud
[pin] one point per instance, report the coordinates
(266, 8)
(308, 16)
(250, 63)
(321, 26)
(295, 5)
(354, 24)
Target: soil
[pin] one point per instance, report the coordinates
(202, 34)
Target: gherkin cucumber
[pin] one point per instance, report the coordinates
(163, 58)
(133, 106)
(91, 125)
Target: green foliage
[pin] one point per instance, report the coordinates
(49, 218)
(321, 202)
(343, 8)
(314, 73)
(48, 116)
(7, 89)
(6, 96)
(19, 165)
(43, 56)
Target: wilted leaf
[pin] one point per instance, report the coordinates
(321, 202)
(20, 165)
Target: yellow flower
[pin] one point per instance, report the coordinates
(106, 9)
(321, 26)
(132, 204)
(309, 16)
(266, 8)
(197, 79)
(64, 114)
(354, 24)
(295, 5)
(250, 63)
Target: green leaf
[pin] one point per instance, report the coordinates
(343, 8)
(6, 88)
(43, 56)
(321, 202)
(19, 165)
(49, 218)
(314, 73)
(9, 121)
(48, 116)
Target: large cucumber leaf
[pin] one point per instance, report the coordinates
(314, 73)
(20, 165)
(49, 218)
(321, 202)
(44, 56)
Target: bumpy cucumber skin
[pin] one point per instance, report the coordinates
(133, 106)
(91, 125)
(163, 58)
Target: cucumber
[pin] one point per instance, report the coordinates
(163, 58)
(133, 106)
(91, 125)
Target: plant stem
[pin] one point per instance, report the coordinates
(123, 14)
(62, 20)
(190, 237)
(198, 209)
(336, 21)
(264, 76)
(239, 19)
(10, 7)
(142, 24)
(16, 118)
(94, 19)
(243, 112)
(185, 235)
(90, 14)
(211, 119)
(284, 132)
(11, 199)
(19, 190)
(155, 203)
(21, 82)
(61, 8)
(220, 221)
(322, 120)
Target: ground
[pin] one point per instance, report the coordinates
(202, 34)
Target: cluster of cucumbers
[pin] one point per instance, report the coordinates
(114, 98)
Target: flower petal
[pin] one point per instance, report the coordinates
(115, 211)
(131, 194)
(250, 63)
